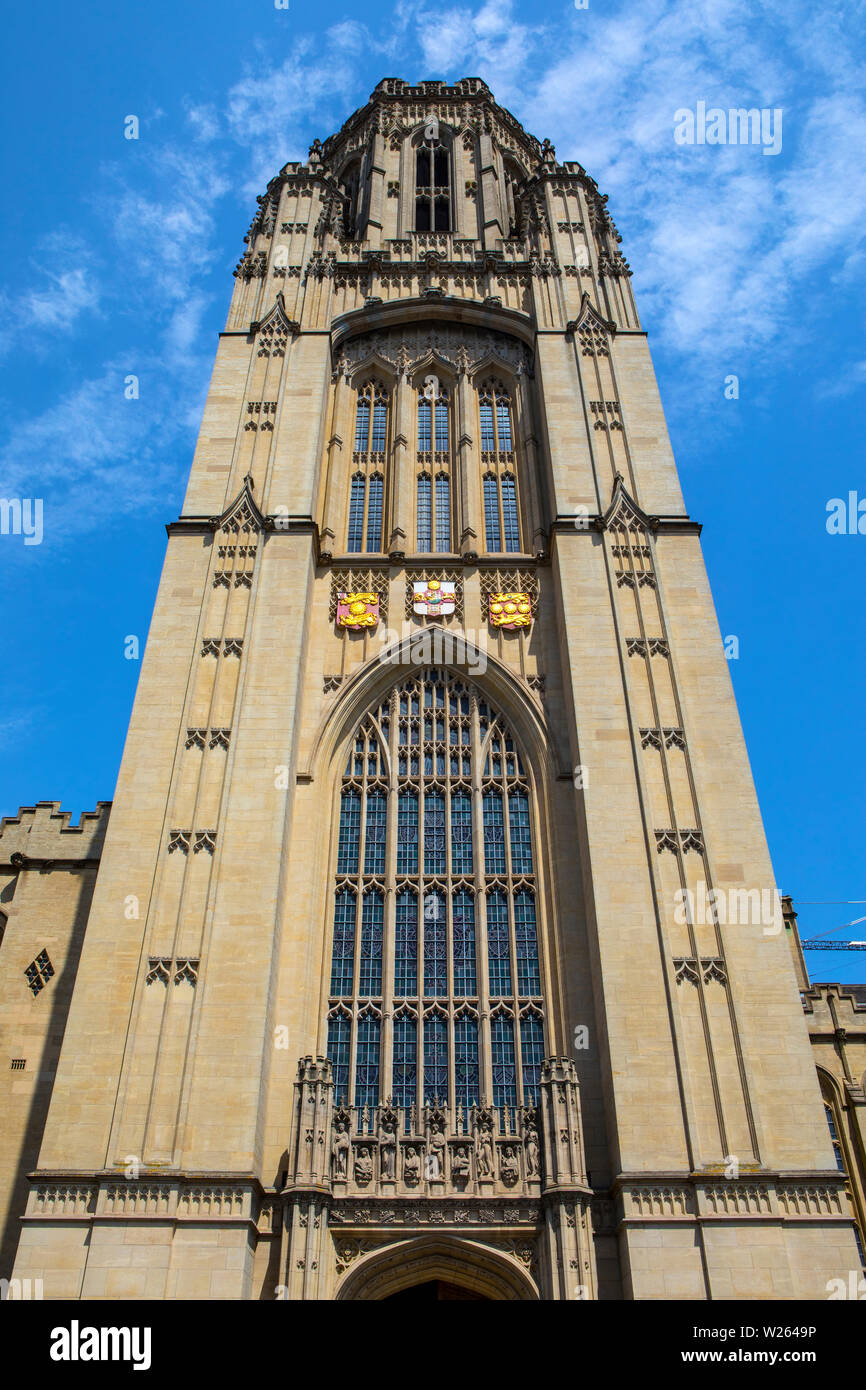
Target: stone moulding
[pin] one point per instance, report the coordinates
(753, 1196)
(185, 1199)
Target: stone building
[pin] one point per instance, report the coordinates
(394, 980)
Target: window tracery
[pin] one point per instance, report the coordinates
(367, 484)
(498, 461)
(433, 187)
(433, 498)
(435, 817)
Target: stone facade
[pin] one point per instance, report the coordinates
(433, 370)
(47, 872)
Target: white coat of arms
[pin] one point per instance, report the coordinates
(434, 597)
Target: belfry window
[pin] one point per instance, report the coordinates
(499, 481)
(433, 499)
(367, 484)
(433, 187)
(435, 923)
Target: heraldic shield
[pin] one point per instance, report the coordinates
(434, 597)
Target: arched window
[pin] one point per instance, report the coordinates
(433, 502)
(501, 514)
(367, 485)
(834, 1124)
(435, 937)
(433, 187)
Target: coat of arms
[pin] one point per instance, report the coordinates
(434, 597)
(358, 610)
(510, 610)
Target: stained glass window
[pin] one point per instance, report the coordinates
(498, 947)
(371, 944)
(339, 1038)
(492, 523)
(367, 491)
(356, 513)
(532, 1056)
(424, 514)
(526, 940)
(343, 962)
(435, 958)
(407, 834)
(434, 833)
(504, 1071)
(443, 514)
(374, 849)
(463, 913)
(350, 829)
(367, 1061)
(466, 1062)
(435, 1058)
(374, 512)
(501, 512)
(461, 832)
(405, 1084)
(494, 834)
(521, 844)
(429, 794)
(406, 944)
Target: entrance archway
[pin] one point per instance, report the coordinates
(409, 1269)
(437, 1291)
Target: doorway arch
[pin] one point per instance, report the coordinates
(479, 1270)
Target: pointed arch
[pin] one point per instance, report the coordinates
(461, 924)
(480, 1268)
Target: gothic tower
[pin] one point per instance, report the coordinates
(422, 946)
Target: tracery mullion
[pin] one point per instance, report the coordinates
(502, 737)
(485, 1062)
(389, 931)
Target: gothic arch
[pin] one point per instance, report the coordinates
(362, 691)
(490, 1272)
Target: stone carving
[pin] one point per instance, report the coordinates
(484, 1143)
(461, 348)
(388, 1143)
(509, 1170)
(460, 1163)
(340, 1147)
(363, 1167)
(411, 1166)
(533, 1151)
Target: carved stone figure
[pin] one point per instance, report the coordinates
(363, 1167)
(340, 1150)
(460, 1165)
(509, 1169)
(532, 1154)
(485, 1154)
(387, 1153)
(412, 1166)
(436, 1155)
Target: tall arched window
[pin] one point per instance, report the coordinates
(433, 187)
(367, 484)
(433, 499)
(501, 511)
(835, 1125)
(435, 981)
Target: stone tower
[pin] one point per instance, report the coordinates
(426, 943)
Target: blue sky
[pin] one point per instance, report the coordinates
(117, 260)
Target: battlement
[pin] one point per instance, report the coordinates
(44, 832)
